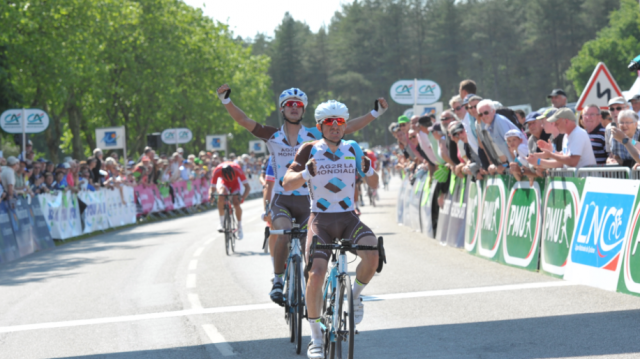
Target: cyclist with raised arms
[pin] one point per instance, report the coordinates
(329, 168)
(227, 178)
(283, 144)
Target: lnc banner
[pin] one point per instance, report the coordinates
(602, 231)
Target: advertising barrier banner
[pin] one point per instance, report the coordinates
(414, 212)
(629, 280)
(95, 214)
(426, 207)
(408, 197)
(561, 199)
(121, 207)
(62, 214)
(8, 246)
(442, 227)
(603, 224)
(474, 214)
(521, 235)
(21, 225)
(455, 235)
(400, 203)
(39, 224)
(492, 223)
(144, 200)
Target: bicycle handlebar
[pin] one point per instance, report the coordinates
(335, 246)
(288, 231)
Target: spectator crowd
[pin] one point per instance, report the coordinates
(25, 175)
(478, 137)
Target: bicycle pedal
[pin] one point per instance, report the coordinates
(220, 230)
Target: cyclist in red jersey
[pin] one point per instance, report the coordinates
(227, 177)
(372, 157)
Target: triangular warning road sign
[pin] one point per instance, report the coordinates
(601, 88)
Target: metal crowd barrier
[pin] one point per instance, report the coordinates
(635, 174)
(562, 172)
(618, 172)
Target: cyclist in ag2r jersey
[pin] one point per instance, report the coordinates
(283, 143)
(329, 167)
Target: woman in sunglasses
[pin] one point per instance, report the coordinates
(283, 143)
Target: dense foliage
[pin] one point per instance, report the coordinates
(516, 50)
(148, 65)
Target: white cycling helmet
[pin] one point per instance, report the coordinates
(331, 108)
(293, 93)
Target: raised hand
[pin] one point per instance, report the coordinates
(223, 93)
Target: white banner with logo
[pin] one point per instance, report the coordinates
(95, 214)
(111, 138)
(404, 92)
(121, 207)
(61, 211)
(257, 146)
(217, 143)
(172, 136)
(37, 120)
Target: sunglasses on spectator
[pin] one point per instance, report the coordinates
(294, 104)
(486, 113)
(403, 124)
(619, 108)
(412, 137)
(458, 108)
(471, 107)
(331, 120)
(446, 119)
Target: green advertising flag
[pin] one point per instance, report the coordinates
(492, 222)
(474, 214)
(561, 198)
(521, 236)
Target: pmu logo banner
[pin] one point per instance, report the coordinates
(474, 214)
(493, 213)
(596, 252)
(561, 199)
(216, 142)
(521, 236)
(629, 281)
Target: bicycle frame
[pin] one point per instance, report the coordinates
(339, 268)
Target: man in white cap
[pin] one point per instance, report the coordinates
(7, 175)
(576, 146)
(616, 105)
(635, 103)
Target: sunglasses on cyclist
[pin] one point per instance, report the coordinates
(619, 108)
(294, 104)
(331, 120)
(486, 113)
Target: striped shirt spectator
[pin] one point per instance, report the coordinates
(592, 120)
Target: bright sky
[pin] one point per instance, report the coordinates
(248, 17)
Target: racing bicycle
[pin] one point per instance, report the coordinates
(294, 283)
(337, 319)
(229, 227)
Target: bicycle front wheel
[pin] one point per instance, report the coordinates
(298, 307)
(227, 232)
(346, 326)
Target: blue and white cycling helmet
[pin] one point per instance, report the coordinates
(293, 93)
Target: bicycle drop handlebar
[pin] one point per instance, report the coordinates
(288, 231)
(345, 245)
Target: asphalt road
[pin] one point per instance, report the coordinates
(168, 290)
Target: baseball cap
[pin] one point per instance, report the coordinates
(185, 161)
(467, 98)
(29, 143)
(403, 119)
(635, 97)
(180, 150)
(547, 113)
(617, 100)
(12, 160)
(532, 116)
(557, 92)
(563, 113)
(456, 128)
(513, 133)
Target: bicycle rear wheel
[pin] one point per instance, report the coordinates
(227, 232)
(345, 331)
(232, 229)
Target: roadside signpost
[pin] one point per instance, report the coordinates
(601, 88)
(13, 121)
(112, 138)
(176, 136)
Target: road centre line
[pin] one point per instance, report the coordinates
(198, 252)
(194, 300)
(218, 340)
(252, 307)
(193, 264)
(191, 280)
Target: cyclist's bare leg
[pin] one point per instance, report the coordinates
(314, 287)
(369, 260)
(236, 205)
(281, 249)
(221, 200)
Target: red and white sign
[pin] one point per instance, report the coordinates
(601, 88)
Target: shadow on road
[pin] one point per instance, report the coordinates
(591, 334)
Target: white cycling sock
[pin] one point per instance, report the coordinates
(278, 278)
(357, 288)
(316, 331)
(272, 261)
(239, 224)
(221, 221)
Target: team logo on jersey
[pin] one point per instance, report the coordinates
(323, 204)
(345, 203)
(335, 185)
(333, 157)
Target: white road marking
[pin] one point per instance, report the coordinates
(193, 264)
(194, 300)
(208, 241)
(438, 293)
(264, 306)
(218, 340)
(198, 252)
(191, 280)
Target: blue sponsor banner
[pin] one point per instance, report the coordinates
(600, 235)
(39, 226)
(8, 245)
(19, 216)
